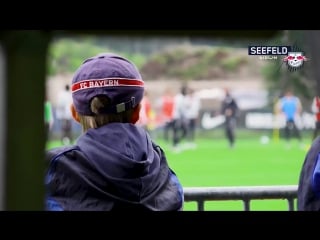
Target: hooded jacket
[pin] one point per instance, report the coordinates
(114, 167)
(309, 182)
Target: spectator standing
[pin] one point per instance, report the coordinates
(308, 195)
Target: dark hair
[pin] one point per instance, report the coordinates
(184, 89)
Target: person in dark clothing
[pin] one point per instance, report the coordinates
(229, 108)
(114, 164)
(308, 198)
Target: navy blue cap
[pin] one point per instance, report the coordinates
(110, 75)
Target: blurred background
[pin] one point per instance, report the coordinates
(35, 66)
(207, 64)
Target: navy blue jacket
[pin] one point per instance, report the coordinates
(309, 182)
(114, 167)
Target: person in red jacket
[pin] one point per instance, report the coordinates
(315, 108)
(166, 108)
(146, 114)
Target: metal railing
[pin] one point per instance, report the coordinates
(243, 193)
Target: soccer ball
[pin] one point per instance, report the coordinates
(264, 140)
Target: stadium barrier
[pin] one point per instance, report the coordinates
(245, 194)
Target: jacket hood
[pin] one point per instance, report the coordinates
(124, 161)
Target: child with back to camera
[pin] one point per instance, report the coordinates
(114, 164)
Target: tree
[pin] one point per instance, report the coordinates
(280, 77)
(313, 40)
